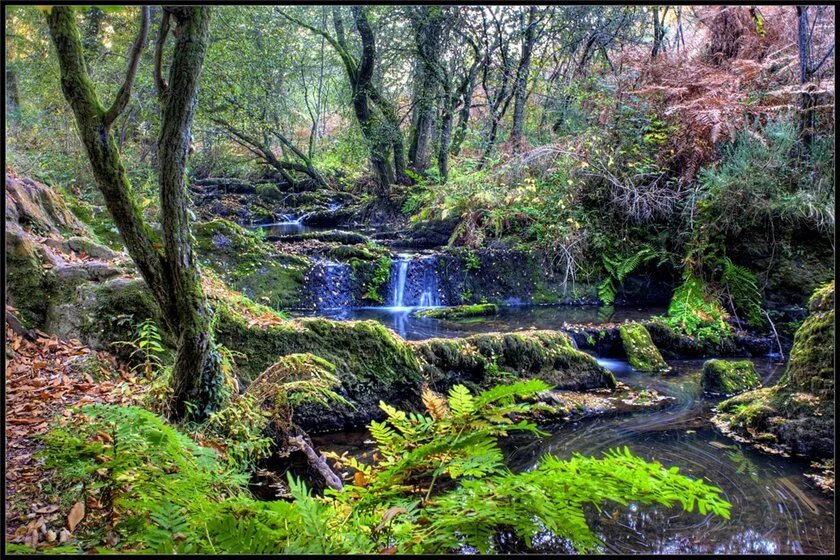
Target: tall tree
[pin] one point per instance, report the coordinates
(380, 129)
(522, 72)
(809, 66)
(427, 22)
(172, 274)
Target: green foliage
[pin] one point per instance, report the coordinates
(437, 482)
(696, 313)
(741, 287)
(379, 278)
(619, 269)
(241, 426)
(148, 344)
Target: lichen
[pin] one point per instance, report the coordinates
(641, 352)
(729, 377)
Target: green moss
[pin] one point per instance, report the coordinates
(372, 277)
(641, 351)
(349, 252)
(26, 281)
(811, 365)
(729, 377)
(458, 311)
(547, 355)
(269, 191)
(250, 265)
(798, 412)
(364, 352)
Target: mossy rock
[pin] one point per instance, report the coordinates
(459, 311)
(798, 412)
(372, 363)
(269, 192)
(641, 352)
(26, 281)
(729, 377)
(251, 265)
(481, 359)
(350, 252)
(811, 364)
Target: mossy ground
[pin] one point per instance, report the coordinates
(251, 265)
(642, 353)
(729, 377)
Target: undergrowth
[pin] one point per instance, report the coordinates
(437, 483)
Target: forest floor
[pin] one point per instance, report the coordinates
(45, 378)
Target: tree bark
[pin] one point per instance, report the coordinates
(427, 28)
(196, 376)
(172, 276)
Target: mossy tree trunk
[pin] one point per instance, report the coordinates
(172, 275)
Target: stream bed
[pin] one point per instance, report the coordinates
(776, 509)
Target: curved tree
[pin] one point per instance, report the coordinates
(171, 274)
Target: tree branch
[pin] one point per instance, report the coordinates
(124, 94)
(160, 83)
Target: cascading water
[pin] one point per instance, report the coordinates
(414, 282)
(399, 284)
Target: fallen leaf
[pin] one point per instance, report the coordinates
(77, 513)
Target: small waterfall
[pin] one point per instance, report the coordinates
(414, 282)
(332, 281)
(399, 284)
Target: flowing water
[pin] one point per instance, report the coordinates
(776, 509)
(414, 282)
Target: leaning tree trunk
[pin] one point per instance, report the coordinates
(172, 276)
(196, 377)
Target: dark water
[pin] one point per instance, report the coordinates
(400, 319)
(775, 508)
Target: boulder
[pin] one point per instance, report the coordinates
(459, 311)
(797, 414)
(485, 359)
(640, 349)
(725, 377)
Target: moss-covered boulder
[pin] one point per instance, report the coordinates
(485, 359)
(811, 365)
(725, 377)
(796, 414)
(372, 363)
(251, 265)
(459, 311)
(26, 279)
(640, 349)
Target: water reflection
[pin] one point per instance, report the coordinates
(401, 320)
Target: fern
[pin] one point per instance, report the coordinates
(618, 270)
(742, 288)
(436, 483)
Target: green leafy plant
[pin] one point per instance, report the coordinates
(148, 344)
(696, 313)
(437, 482)
(619, 269)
